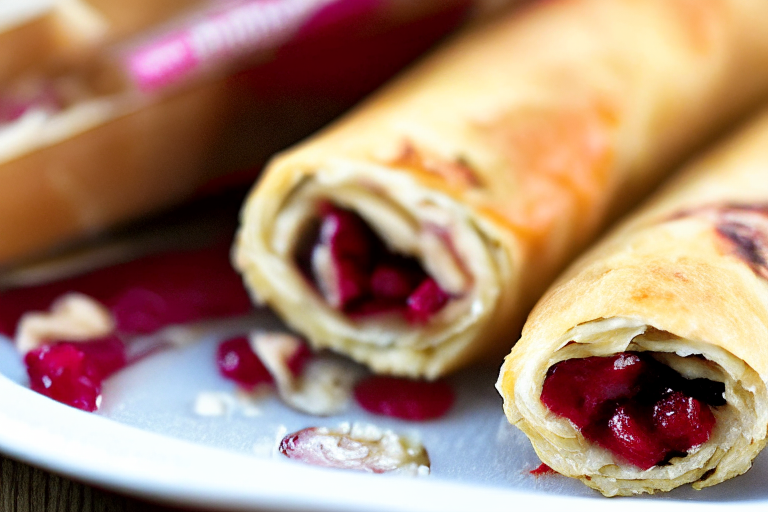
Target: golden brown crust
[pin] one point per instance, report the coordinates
(528, 145)
(688, 272)
(107, 156)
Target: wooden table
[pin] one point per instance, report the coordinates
(24, 488)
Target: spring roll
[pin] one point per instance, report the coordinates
(75, 161)
(644, 367)
(80, 150)
(414, 234)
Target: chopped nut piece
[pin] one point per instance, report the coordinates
(322, 389)
(210, 403)
(72, 317)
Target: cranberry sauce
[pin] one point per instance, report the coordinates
(146, 294)
(542, 470)
(641, 410)
(143, 296)
(72, 372)
(403, 398)
(238, 362)
(358, 275)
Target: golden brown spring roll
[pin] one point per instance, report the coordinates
(80, 149)
(475, 177)
(644, 367)
(75, 169)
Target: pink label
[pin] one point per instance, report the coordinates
(246, 27)
(162, 63)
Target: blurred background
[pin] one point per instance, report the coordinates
(114, 112)
(133, 126)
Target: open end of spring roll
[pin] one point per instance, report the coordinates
(483, 170)
(645, 367)
(667, 431)
(371, 263)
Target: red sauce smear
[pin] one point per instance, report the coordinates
(403, 398)
(144, 296)
(641, 410)
(543, 469)
(370, 279)
(147, 294)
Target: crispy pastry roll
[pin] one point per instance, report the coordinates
(644, 367)
(75, 161)
(80, 149)
(415, 233)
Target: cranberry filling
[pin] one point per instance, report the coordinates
(358, 275)
(147, 294)
(143, 296)
(639, 409)
(403, 398)
(72, 372)
(14, 106)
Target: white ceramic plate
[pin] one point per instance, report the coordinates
(147, 441)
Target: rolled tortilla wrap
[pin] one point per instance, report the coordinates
(101, 160)
(80, 151)
(491, 163)
(683, 281)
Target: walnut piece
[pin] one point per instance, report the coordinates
(72, 317)
(324, 387)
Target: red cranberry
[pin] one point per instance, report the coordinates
(351, 282)
(631, 438)
(177, 288)
(390, 281)
(368, 278)
(237, 362)
(425, 301)
(642, 411)
(579, 388)
(404, 398)
(72, 372)
(12, 108)
(139, 310)
(682, 421)
(347, 236)
(375, 307)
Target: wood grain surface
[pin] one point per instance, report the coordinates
(24, 488)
